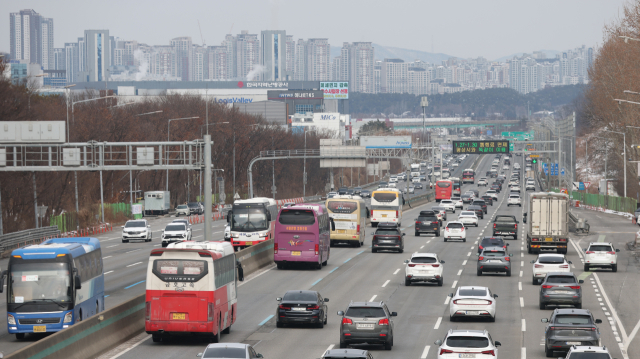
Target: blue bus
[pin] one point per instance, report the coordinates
(52, 285)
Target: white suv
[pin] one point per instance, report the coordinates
(587, 352)
(136, 229)
(601, 254)
(515, 200)
(455, 230)
(467, 344)
(482, 182)
(547, 263)
(492, 193)
(530, 186)
(175, 232)
(424, 267)
(448, 204)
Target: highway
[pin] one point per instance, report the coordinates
(358, 274)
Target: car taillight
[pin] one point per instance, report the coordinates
(147, 312)
(346, 321)
(396, 214)
(313, 307)
(462, 229)
(563, 239)
(284, 307)
(564, 266)
(574, 286)
(538, 266)
(611, 252)
(508, 259)
(383, 322)
(548, 286)
(494, 225)
(516, 228)
(435, 265)
(480, 246)
(490, 352)
(358, 230)
(480, 258)
(412, 265)
(275, 248)
(590, 252)
(210, 311)
(417, 222)
(436, 222)
(317, 249)
(445, 351)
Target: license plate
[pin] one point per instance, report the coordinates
(494, 261)
(466, 355)
(471, 312)
(563, 292)
(39, 328)
(574, 343)
(341, 231)
(296, 253)
(299, 309)
(548, 239)
(179, 316)
(248, 243)
(364, 326)
(384, 216)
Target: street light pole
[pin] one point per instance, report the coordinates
(624, 154)
(169, 139)
(304, 166)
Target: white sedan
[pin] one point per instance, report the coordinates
(448, 204)
(455, 230)
(483, 182)
(530, 186)
(492, 193)
(468, 218)
(514, 200)
(392, 185)
(476, 302)
(547, 263)
(458, 202)
(505, 167)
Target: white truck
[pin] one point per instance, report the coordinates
(156, 203)
(547, 221)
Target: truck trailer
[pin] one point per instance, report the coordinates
(156, 203)
(547, 222)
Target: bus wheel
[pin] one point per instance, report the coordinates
(216, 337)
(20, 336)
(318, 265)
(157, 338)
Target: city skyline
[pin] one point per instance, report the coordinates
(496, 43)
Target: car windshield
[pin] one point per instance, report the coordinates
(365, 312)
(600, 248)
(175, 227)
(455, 225)
(493, 253)
(589, 356)
(424, 260)
(387, 232)
(225, 352)
(137, 224)
(561, 279)
(182, 206)
(550, 259)
(301, 296)
(573, 319)
(427, 218)
(473, 292)
(193, 204)
(296, 216)
(467, 214)
(467, 342)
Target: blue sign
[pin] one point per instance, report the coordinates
(562, 171)
(555, 169)
(545, 168)
(489, 132)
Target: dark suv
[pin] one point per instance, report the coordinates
(568, 327)
(491, 242)
(194, 208)
(481, 203)
(488, 199)
(367, 322)
(427, 222)
(387, 236)
(561, 288)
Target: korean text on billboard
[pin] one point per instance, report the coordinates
(335, 90)
(480, 147)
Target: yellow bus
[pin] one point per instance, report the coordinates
(349, 214)
(386, 206)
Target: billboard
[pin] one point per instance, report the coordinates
(335, 90)
(385, 141)
(480, 147)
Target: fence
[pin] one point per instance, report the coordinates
(65, 222)
(14, 240)
(602, 202)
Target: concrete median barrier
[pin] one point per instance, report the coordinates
(255, 257)
(91, 337)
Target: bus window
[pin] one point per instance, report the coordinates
(297, 217)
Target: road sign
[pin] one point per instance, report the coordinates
(587, 184)
(579, 186)
(480, 147)
(236, 196)
(510, 146)
(534, 161)
(534, 156)
(562, 171)
(489, 133)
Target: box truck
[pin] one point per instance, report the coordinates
(156, 203)
(547, 222)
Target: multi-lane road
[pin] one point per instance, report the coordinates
(423, 311)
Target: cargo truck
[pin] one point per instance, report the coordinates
(156, 203)
(547, 222)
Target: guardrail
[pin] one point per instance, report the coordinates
(19, 239)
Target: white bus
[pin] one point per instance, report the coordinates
(386, 206)
(252, 221)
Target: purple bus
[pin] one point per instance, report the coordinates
(302, 235)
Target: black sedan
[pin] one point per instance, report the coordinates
(417, 185)
(496, 187)
(488, 199)
(365, 193)
(477, 209)
(302, 306)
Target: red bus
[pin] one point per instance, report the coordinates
(444, 190)
(191, 289)
(468, 176)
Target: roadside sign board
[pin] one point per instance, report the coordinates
(534, 156)
(587, 184)
(480, 147)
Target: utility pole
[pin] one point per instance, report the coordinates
(208, 235)
(234, 164)
(1, 231)
(35, 198)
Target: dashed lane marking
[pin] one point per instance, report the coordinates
(134, 264)
(396, 272)
(455, 282)
(425, 352)
(437, 323)
(265, 321)
(521, 302)
(105, 273)
(385, 283)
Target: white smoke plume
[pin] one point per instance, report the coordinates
(143, 69)
(257, 70)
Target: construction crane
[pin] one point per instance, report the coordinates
(201, 38)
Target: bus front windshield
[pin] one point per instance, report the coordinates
(33, 282)
(249, 220)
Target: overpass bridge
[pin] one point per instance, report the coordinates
(416, 124)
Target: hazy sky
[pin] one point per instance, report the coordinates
(463, 28)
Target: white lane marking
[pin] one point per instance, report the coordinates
(519, 285)
(521, 263)
(421, 247)
(521, 302)
(257, 275)
(156, 245)
(107, 257)
(464, 263)
(429, 241)
(460, 272)
(438, 323)
(524, 325)
(469, 254)
(329, 348)
(425, 352)
(446, 301)
(134, 264)
(523, 353)
(373, 298)
(520, 273)
(113, 246)
(476, 242)
(396, 272)
(105, 273)
(455, 282)
(385, 283)
(131, 347)
(135, 250)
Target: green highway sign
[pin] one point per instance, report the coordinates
(480, 147)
